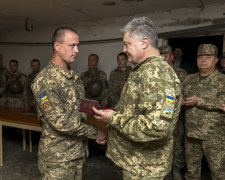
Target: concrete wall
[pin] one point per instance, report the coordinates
(176, 19)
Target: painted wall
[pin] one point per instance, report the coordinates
(176, 19)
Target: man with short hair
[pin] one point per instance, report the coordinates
(3, 82)
(58, 91)
(140, 138)
(117, 79)
(204, 94)
(222, 63)
(93, 75)
(178, 151)
(35, 66)
(16, 87)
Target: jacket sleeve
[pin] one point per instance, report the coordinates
(144, 120)
(61, 116)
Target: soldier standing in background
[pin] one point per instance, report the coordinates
(204, 94)
(222, 63)
(117, 79)
(140, 138)
(3, 82)
(58, 91)
(95, 78)
(35, 66)
(178, 151)
(16, 91)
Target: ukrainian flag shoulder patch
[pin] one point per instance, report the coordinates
(168, 108)
(45, 103)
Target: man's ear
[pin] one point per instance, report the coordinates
(56, 46)
(145, 42)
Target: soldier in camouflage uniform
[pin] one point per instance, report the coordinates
(222, 63)
(204, 94)
(178, 150)
(94, 73)
(117, 79)
(3, 82)
(35, 66)
(16, 87)
(140, 138)
(58, 91)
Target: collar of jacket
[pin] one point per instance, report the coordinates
(146, 61)
(212, 75)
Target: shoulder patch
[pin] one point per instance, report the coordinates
(167, 109)
(45, 103)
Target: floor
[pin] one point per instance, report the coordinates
(22, 165)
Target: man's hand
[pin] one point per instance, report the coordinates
(191, 101)
(223, 107)
(103, 115)
(101, 136)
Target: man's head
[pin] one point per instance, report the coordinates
(140, 35)
(13, 65)
(65, 42)
(166, 51)
(122, 60)
(93, 61)
(222, 61)
(178, 53)
(207, 58)
(35, 65)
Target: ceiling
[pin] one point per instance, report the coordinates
(41, 13)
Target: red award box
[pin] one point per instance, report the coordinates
(87, 104)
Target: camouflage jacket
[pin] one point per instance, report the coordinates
(206, 120)
(181, 73)
(23, 94)
(3, 80)
(117, 80)
(93, 74)
(30, 78)
(140, 136)
(64, 129)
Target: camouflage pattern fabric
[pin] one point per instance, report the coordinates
(207, 49)
(69, 170)
(117, 80)
(64, 129)
(129, 176)
(20, 99)
(3, 85)
(94, 74)
(140, 138)
(205, 123)
(165, 49)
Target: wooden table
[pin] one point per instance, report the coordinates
(17, 118)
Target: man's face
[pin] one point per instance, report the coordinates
(35, 66)
(222, 62)
(13, 67)
(68, 50)
(92, 62)
(178, 53)
(206, 63)
(132, 47)
(169, 57)
(121, 61)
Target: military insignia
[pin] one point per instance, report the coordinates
(45, 103)
(168, 108)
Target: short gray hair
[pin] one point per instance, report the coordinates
(142, 27)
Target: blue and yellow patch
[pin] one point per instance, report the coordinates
(168, 108)
(45, 103)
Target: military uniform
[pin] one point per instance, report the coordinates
(140, 138)
(3, 85)
(117, 80)
(64, 129)
(16, 90)
(205, 125)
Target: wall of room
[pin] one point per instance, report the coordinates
(25, 46)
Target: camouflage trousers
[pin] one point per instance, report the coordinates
(69, 170)
(214, 151)
(130, 176)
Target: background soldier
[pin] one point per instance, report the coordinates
(117, 79)
(58, 91)
(3, 82)
(178, 152)
(140, 136)
(204, 94)
(16, 91)
(95, 81)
